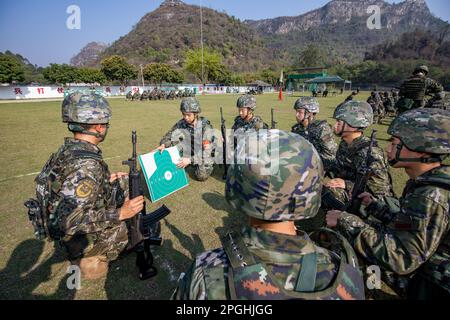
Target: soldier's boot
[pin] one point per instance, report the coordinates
(93, 268)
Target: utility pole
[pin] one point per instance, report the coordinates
(201, 41)
(142, 75)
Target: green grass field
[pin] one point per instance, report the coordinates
(31, 131)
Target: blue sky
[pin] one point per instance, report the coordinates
(37, 29)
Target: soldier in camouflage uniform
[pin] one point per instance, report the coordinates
(439, 101)
(195, 136)
(85, 204)
(388, 103)
(376, 103)
(414, 241)
(136, 96)
(414, 90)
(129, 95)
(246, 119)
(351, 119)
(318, 132)
(269, 259)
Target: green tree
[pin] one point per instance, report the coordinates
(270, 76)
(312, 56)
(161, 72)
(61, 74)
(90, 75)
(10, 69)
(117, 68)
(214, 69)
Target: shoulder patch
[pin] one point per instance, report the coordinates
(85, 188)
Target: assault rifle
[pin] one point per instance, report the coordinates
(362, 176)
(224, 144)
(144, 229)
(273, 122)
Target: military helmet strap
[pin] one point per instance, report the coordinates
(397, 159)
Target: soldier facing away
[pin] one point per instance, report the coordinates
(415, 242)
(86, 205)
(351, 119)
(415, 89)
(318, 132)
(195, 136)
(269, 259)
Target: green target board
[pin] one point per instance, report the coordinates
(161, 173)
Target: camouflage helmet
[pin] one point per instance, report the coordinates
(190, 105)
(357, 114)
(85, 108)
(423, 130)
(286, 188)
(246, 101)
(310, 104)
(423, 69)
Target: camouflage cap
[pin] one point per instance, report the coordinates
(423, 130)
(290, 189)
(310, 104)
(246, 101)
(357, 114)
(87, 108)
(422, 69)
(189, 105)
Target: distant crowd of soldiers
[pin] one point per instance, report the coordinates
(418, 91)
(158, 94)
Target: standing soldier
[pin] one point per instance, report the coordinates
(415, 243)
(388, 103)
(85, 206)
(351, 119)
(196, 136)
(414, 90)
(269, 259)
(318, 132)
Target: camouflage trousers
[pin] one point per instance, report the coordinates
(110, 243)
(202, 171)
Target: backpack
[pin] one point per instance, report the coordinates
(45, 224)
(246, 283)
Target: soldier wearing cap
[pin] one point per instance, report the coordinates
(318, 132)
(414, 243)
(194, 135)
(269, 259)
(86, 206)
(352, 118)
(415, 89)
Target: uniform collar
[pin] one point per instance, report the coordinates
(83, 144)
(259, 238)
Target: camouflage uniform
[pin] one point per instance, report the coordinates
(439, 101)
(414, 241)
(349, 158)
(377, 106)
(262, 265)
(318, 132)
(87, 203)
(256, 123)
(414, 90)
(136, 96)
(201, 138)
(129, 95)
(74, 190)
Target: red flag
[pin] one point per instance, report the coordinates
(280, 95)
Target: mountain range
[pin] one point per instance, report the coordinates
(339, 28)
